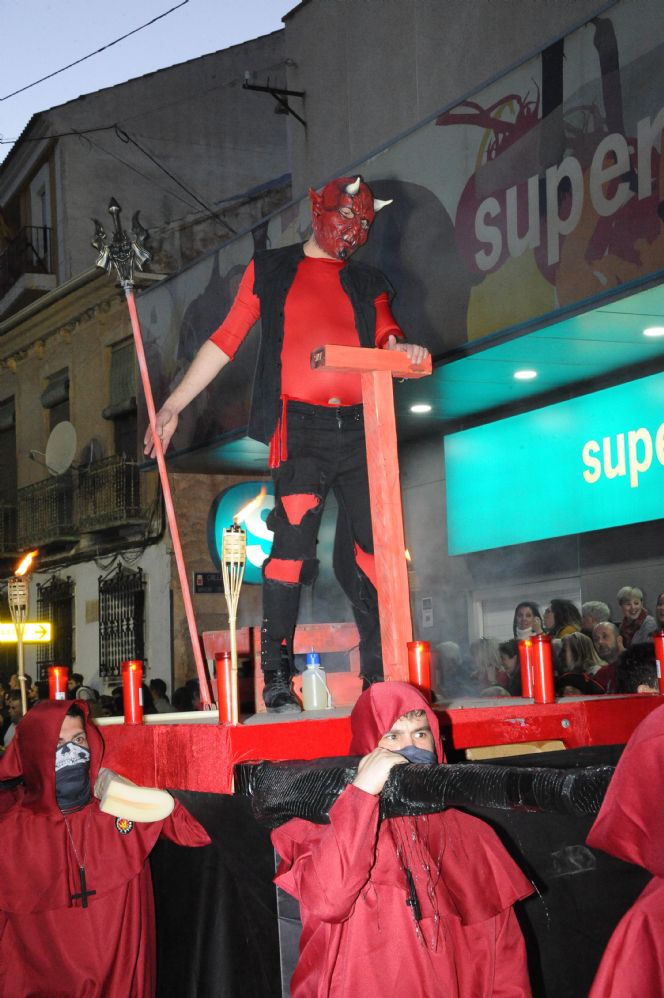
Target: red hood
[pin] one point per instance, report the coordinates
(629, 824)
(31, 752)
(379, 707)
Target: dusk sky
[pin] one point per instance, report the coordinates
(42, 36)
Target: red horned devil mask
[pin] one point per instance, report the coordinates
(342, 214)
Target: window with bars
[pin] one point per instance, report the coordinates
(55, 602)
(121, 619)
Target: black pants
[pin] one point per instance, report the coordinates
(326, 450)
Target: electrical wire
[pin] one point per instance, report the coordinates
(103, 48)
(125, 137)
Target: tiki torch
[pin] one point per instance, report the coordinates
(18, 595)
(123, 252)
(233, 559)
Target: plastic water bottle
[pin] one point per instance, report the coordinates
(315, 694)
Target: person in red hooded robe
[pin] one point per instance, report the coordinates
(420, 906)
(76, 904)
(629, 826)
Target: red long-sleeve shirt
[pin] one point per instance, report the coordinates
(318, 311)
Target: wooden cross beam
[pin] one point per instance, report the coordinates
(377, 368)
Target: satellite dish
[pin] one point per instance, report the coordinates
(91, 453)
(61, 448)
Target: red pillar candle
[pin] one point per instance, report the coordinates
(526, 662)
(132, 692)
(58, 677)
(224, 669)
(658, 639)
(544, 690)
(419, 666)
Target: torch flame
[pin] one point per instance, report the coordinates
(249, 507)
(407, 554)
(25, 563)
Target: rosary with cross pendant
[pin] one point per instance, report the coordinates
(84, 893)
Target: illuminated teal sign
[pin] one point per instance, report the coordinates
(259, 538)
(593, 462)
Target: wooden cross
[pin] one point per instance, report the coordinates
(84, 894)
(377, 368)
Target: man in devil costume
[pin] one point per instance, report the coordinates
(415, 905)
(76, 905)
(306, 296)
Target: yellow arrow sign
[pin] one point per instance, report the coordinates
(33, 631)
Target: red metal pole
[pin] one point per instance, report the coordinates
(168, 502)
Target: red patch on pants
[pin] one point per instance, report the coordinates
(366, 563)
(298, 506)
(283, 570)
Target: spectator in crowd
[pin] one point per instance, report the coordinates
(547, 620)
(573, 684)
(194, 687)
(629, 826)
(579, 654)
(182, 699)
(41, 690)
(106, 706)
(401, 906)
(527, 620)
(659, 613)
(637, 624)
(78, 919)
(15, 713)
(637, 669)
(452, 679)
(146, 700)
(566, 618)
(594, 612)
(511, 669)
(158, 693)
(486, 664)
(75, 680)
(608, 645)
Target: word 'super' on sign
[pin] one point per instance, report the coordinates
(34, 632)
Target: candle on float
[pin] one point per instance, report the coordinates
(224, 669)
(132, 691)
(58, 678)
(527, 663)
(544, 690)
(419, 666)
(658, 641)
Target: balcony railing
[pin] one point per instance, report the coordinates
(28, 253)
(7, 529)
(46, 512)
(109, 495)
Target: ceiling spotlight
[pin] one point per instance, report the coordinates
(654, 331)
(420, 407)
(525, 375)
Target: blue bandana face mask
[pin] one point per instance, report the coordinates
(72, 776)
(419, 755)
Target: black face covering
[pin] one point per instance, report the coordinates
(72, 776)
(422, 756)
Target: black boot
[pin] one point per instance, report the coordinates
(280, 605)
(278, 695)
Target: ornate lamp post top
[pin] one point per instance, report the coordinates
(124, 250)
